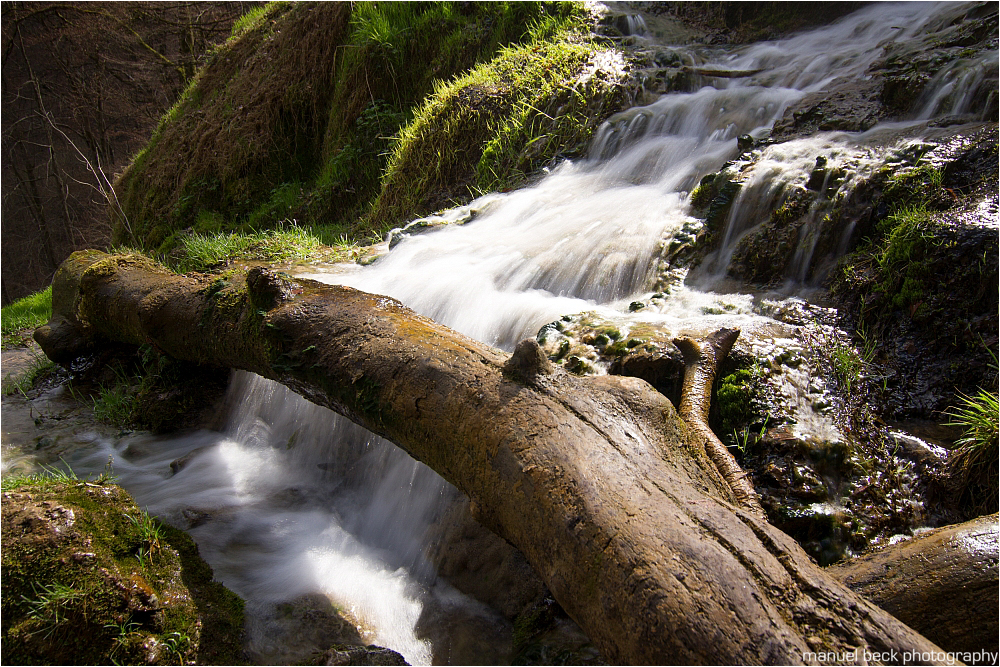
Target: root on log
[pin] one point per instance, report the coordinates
(596, 480)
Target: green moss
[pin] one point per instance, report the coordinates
(297, 112)
(737, 400)
(901, 259)
(492, 127)
(110, 588)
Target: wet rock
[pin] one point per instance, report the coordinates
(459, 215)
(359, 655)
(297, 630)
(957, 48)
(851, 106)
(933, 294)
(479, 563)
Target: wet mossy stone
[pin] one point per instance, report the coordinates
(88, 578)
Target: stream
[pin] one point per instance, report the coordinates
(291, 502)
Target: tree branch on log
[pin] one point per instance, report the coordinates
(594, 479)
(701, 362)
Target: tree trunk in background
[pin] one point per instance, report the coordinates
(943, 583)
(631, 527)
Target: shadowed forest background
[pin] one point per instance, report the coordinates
(84, 84)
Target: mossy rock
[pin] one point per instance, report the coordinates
(91, 579)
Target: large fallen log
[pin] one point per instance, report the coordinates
(594, 479)
(943, 583)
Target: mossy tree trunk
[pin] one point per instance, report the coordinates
(594, 479)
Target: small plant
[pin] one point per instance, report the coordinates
(177, 644)
(124, 629)
(847, 366)
(251, 19)
(51, 604)
(40, 365)
(975, 463)
(115, 405)
(150, 532)
(290, 241)
(978, 415)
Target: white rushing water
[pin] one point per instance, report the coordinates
(290, 500)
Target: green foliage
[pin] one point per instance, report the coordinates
(22, 382)
(296, 114)
(502, 121)
(150, 532)
(253, 18)
(975, 464)
(203, 252)
(29, 312)
(847, 366)
(50, 603)
(48, 477)
(903, 272)
(738, 399)
(913, 187)
(979, 416)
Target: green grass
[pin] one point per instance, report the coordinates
(40, 365)
(978, 416)
(204, 251)
(50, 603)
(29, 312)
(847, 366)
(48, 477)
(492, 127)
(314, 145)
(975, 463)
(253, 18)
(150, 533)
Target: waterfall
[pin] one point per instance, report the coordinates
(292, 500)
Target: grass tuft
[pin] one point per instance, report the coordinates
(204, 251)
(40, 366)
(344, 83)
(975, 463)
(29, 312)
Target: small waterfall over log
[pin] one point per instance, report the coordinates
(291, 500)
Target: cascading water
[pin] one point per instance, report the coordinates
(291, 500)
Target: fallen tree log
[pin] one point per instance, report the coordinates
(943, 583)
(594, 479)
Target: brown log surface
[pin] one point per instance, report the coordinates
(943, 583)
(593, 478)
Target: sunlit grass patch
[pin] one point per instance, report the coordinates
(29, 312)
(204, 251)
(492, 127)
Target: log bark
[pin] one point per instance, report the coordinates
(594, 479)
(942, 583)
